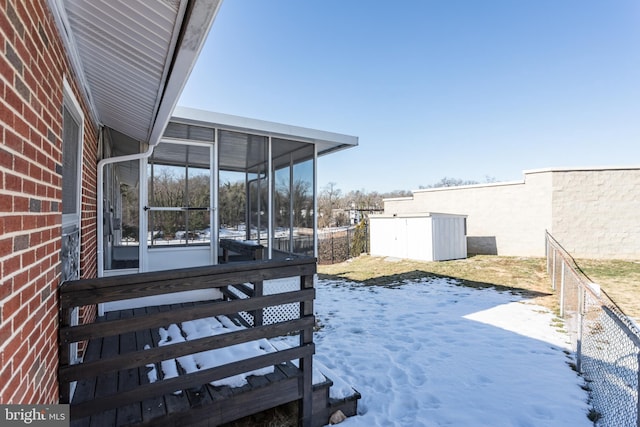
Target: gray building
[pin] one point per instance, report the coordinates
(592, 212)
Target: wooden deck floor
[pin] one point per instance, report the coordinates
(207, 405)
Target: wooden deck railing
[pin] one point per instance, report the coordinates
(93, 291)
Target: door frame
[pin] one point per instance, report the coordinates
(144, 249)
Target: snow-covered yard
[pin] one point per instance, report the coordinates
(431, 353)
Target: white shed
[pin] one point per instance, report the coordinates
(420, 236)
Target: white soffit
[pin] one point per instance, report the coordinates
(326, 142)
(136, 57)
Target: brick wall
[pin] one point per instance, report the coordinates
(32, 67)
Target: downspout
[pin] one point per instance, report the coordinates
(315, 201)
(270, 208)
(100, 210)
(214, 200)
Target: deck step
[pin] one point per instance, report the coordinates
(324, 405)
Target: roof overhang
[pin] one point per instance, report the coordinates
(326, 142)
(133, 58)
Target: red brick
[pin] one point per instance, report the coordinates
(35, 339)
(29, 292)
(20, 204)
(11, 265)
(35, 171)
(29, 222)
(35, 239)
(12, 182)
(20, 126)
(10, 307)
(6, 203)
(13, 99)
(34, 304)
(6, 371)
(5, 333)
(6, 246)
(11, 348)
(21, 165)
(19, 391)
(6, 69)
(29, 151)
(28, 186)
(6, 114)
(12, 141)
(28, 258)
(20, 316)
(22, 278)
(9, 390)
(6, 287)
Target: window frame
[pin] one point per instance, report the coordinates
(70, 104)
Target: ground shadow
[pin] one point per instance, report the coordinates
(395, 280)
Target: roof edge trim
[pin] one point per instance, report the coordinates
(244, 124)
(197, 23)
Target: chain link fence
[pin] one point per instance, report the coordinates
(606, 342)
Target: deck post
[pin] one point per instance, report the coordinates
(258, 315)
(64, 392)
(305, 406)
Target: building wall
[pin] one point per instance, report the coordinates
(596, 213)
(505, 218)
(593, 213)
(32, 67)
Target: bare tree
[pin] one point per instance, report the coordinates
(327, 202)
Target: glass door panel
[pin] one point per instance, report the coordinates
(179, 188)
(121, 207)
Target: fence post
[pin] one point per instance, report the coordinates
(562, 290)
(581, 297)
(638, 396)
(546, 250)
(333, 259)
(553, 271)
(366, 237)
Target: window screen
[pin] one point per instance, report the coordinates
(70, 176)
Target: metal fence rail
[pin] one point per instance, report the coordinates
(340, 245)
(606, 341)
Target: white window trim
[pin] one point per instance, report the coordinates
(72, 105)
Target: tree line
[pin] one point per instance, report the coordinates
(334, 205)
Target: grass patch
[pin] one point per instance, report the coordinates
(525, 276)
(619, 279)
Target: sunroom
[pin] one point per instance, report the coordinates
(217, 188)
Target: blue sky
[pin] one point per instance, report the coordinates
(433, 88)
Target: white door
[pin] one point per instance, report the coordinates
(178, 214)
